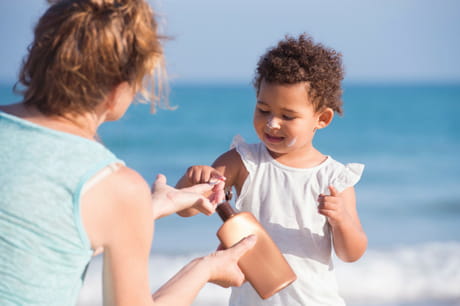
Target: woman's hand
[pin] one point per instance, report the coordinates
(220, 268)
(225, 271)
(167, 200)
(202, 175)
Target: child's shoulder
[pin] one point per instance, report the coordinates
(342, 175)
(336, 165)
(331, 164)
(247, 151)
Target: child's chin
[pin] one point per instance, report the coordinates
(275, 148)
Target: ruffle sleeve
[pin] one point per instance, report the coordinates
(236, 141)
(348, 176)
(249, 153)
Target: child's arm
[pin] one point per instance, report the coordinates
(349, 238)
(228, 167)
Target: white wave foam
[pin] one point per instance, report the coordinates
(406, 274)
(429, 271)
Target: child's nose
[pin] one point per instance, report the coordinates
(273, 123)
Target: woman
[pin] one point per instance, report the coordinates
(64, 196)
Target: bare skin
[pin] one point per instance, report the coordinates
(286, 123)
(119, 211)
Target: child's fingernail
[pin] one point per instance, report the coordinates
(216, 180)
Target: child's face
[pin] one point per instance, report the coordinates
(284, 118)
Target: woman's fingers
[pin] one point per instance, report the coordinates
(243, 246)
(159, 181)
(227, 272)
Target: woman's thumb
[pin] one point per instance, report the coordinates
(161, 179)
(244, 245)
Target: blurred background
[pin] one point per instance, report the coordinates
(402, 107)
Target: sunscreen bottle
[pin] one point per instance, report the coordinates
(264, 267)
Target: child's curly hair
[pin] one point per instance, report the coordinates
(301, 60)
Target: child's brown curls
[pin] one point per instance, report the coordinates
(297, 60)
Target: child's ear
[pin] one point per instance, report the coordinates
(325, 117)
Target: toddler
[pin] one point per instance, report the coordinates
(305, 199)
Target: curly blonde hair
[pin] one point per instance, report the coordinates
(296, 60)
(82, 49)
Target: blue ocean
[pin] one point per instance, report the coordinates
(407, 135)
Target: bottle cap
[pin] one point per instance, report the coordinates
(225, 209)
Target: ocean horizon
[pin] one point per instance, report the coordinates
(407, 135)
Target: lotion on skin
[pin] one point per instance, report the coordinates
(264, 267)
(292, 142)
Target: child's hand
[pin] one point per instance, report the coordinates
(206, 174)
(203, 174)
(333, 207)
(349, 238)
(198, 175)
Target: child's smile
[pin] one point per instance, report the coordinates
(273, 139)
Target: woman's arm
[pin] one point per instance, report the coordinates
(118, 215)
(220, 268)
(349, 238)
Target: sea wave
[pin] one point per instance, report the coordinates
(421, 274)
(404, 274)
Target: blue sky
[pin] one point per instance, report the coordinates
(381, 40)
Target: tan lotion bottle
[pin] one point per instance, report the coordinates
(264, 267)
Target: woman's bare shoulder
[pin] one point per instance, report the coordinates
(117, 205)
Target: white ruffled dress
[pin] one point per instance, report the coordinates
(284, 200)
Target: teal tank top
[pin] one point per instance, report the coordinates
(44, 249)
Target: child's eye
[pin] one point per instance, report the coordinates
(285, 117)
(263, 112)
